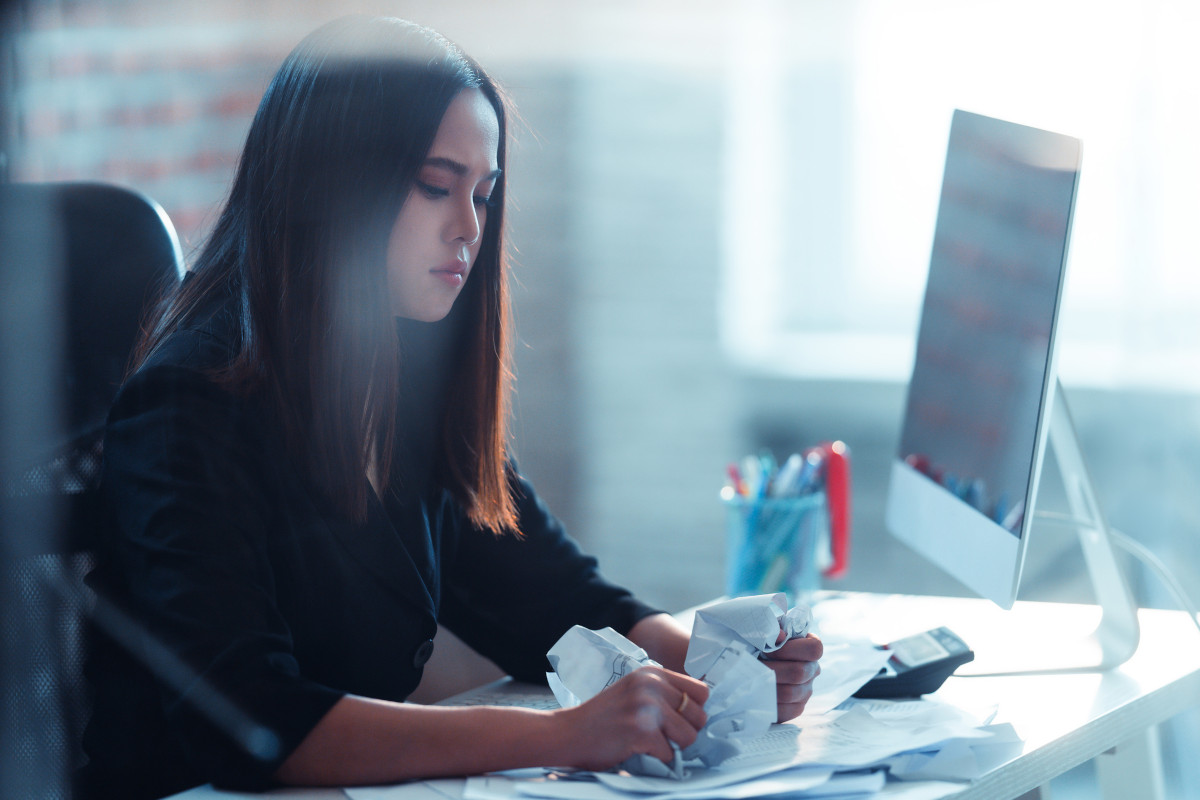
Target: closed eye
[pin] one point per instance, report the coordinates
(432, 191)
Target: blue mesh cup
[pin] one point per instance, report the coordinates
(776, 545)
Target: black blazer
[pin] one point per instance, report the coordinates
(271, 605)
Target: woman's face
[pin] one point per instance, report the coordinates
(437, 234)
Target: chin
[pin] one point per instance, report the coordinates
(424, 314)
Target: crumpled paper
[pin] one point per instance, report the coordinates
(727, 639)
(587, 662)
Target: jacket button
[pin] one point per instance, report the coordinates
(423, 653)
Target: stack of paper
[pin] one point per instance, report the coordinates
(840, 746)
(848, 751)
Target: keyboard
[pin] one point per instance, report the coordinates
(505, 692)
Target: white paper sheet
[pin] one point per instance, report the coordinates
(494, 787)
(848, 784)
(898, 790)
(587, 662)
(840, 739)
(959, 759)
(726, 640)
(855, 739)
(845, 667)
(793, 782)
(753, 623)
(443, 789)
(852, 739)
(207, 792)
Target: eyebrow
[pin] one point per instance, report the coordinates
(457, 167)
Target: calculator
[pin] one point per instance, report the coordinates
(918, 665)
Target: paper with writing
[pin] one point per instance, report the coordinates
(727, 639)
(587, 662)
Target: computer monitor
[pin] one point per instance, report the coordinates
(984, 398)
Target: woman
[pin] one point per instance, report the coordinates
(307, 468)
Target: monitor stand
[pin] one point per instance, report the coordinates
(1117, 634)
(1116, 637)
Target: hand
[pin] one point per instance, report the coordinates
(795, 665)
(641, 713)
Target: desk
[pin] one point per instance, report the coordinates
(1064, 720)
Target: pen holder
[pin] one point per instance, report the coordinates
(777, 545)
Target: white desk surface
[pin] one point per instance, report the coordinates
(1064, 720)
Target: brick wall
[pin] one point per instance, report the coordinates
(163, 109)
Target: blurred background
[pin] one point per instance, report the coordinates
(722, 220)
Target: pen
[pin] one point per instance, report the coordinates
(735, 478)
(806, 481)
(752, 474)
(769, 467)
(786, 481)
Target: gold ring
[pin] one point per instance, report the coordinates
(683, 703)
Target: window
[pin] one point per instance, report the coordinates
(838, 118)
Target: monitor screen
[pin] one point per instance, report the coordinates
(974, 427)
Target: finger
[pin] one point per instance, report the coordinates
(653, 740)
(808, 648)
(656, 747)
(663, 706)
(790, 711)
(679, 729)
(692, 711)
(662, 750)
(789, 694)
(794, 671)
(650, 721)
(697, 690)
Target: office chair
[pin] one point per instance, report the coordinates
(104, 253)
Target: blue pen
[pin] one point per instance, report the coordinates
(757, 479)
(807, 480)
(786, 482)
(760, 494)
(769, 468)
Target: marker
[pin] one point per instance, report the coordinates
(837, 493)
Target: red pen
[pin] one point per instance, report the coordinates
(735, 478)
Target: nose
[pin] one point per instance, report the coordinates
(465, 226)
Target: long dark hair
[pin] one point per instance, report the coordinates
(301, 244)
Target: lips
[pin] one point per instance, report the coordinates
(454, 273)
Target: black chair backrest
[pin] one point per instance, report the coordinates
(111, 250)
(116, 250)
